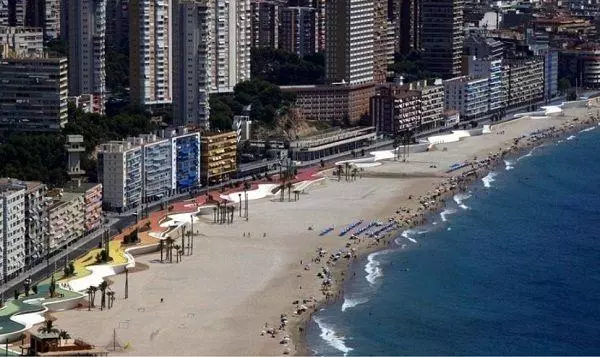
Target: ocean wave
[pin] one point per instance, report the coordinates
(372, 268)
(328, 335)
(488, 179)
(350, 303)
(571, 137)
(528, 154)
(445, 213)
(449, 228)
(509, 165)
(587, 129)
(459, 198)
(406, 234)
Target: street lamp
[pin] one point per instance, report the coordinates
(240, 200)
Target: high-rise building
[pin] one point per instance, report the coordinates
(150, 57)
(117, 25)
(218, 156)
(231, 50)
(349, 46)
(319, 6)
(16, 12)
(51, 19)
(383, 41)
(442, 36)
(265, 18)
(405, 16)
(395, 109)
(4, 13)
(12, 230)
(34, 94)
(298, 30)
(34, 13)
(120, 171)
(87, 34)
(192, 41)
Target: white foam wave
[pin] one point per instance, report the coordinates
(406, 234)
(328, 335)
(445, 213)
(571, 137)
(488, 179)
(587, 129)
(372, 268)
(528, 154)
(509, 165)
(350, 303)
(459, 198)
(449, 228)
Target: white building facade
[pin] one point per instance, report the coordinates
(150, 52)
(470, 97)
(12, 231)
(232, 44)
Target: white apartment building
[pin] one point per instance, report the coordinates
(87, 30)
(232, 44)
(193, 38)
(349, 48)
(468, 96)
(150, 52)
(21, 41)
(12, 231)
(66, 217)
(492, 70)
(148, 168)
(120, 170)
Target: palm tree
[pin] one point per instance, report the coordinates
(347, 169)
(182, 236)
(339, 172)
(169, 249)
(52, 287)
(93, 289)
(177, 253)
(214, 214)
(103, 285)
(48, 327)
(89, 294)
(64, 335)
(354, 173)
(231, 211)
(161, 245)
(111, 298)
(289, 187)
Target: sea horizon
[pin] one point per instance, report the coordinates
(506, 268)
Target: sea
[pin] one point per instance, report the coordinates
(510, 267)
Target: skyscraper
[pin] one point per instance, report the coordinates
(405, 15)
(150, 52)
(87, 29)
(192, 40)
(231, 50)
(442, 36)
(298, 30)
(383, 41)
(265, 23)
(349, 41)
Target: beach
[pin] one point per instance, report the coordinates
(246, 278)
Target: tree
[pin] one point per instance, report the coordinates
(289, 188)
(93, 289)
(411, 67)
(102, 287)
(177, 253)
(339, 172)
(564, 85)
(89, 294)
(284, 68)
(34, 289)
(48, 327)
(16, 294)
(52, 287)
(64, 335)
(161, 246)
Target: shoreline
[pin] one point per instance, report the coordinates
(518, 150)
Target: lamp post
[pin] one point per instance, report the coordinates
(240, 201)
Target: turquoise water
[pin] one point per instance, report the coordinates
(510, 268)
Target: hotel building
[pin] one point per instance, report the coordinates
(349, 46)
(395, 109)
(442, 36)
(34, 95)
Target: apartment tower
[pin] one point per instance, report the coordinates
(87, 30)
(349, 46)
(298, 30)
(150, 57)
(231, 50)
(192, 40)
(442, 36)
(265, 23)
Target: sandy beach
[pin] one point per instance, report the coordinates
(242, 277)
